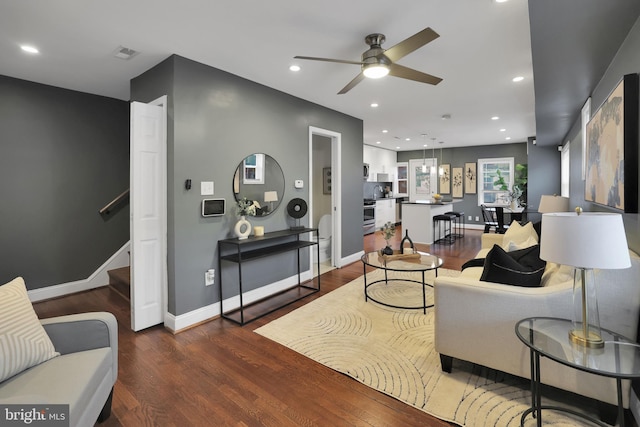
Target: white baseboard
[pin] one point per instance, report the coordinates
(351, 258)
(177, 323)
(98, 279)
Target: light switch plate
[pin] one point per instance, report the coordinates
(206, 188)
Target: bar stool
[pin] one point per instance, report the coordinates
(459, 224)
(440, 221)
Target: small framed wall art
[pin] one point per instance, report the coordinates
(456, 182)
(470, 178)
(445, 179)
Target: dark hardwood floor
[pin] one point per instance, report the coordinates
(221, 374)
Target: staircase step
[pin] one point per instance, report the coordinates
(120, 281)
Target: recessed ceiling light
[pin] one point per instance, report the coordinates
(407, 139)
(397, 148)
(384, 131)
(377, 142)
(374, 105)
(503, 130)
(518, 79)
(29, 49)
(508, 138)
(501, 1)
(294, 68)
(495, 118)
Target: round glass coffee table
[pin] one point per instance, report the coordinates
(420, 262)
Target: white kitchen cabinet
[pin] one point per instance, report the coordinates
(385, 212)
(380, 161)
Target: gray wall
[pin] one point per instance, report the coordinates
(65, 154)
(218, 119)
(458, 156)
(626, 61)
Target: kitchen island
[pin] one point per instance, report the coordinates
(417, 218)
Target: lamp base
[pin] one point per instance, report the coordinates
(592, 340)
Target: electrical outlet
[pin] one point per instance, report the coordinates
(209, 277)
(477, 218)
(470, 218)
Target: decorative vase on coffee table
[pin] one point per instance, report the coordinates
(242, 228)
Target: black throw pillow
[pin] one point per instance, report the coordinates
(476, 262)
(520, 268)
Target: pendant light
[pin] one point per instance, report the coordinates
(424, 156)
(440, 168)
(433, 158)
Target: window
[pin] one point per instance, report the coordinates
(495, 179)
(564, 170)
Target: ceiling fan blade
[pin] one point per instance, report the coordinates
(352, 84)
(340, 61)
(410, 44)
(411, 74)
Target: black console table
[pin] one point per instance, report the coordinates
(254, 247)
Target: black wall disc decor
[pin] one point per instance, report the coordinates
(297, 208)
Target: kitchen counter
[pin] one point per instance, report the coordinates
(417, 218)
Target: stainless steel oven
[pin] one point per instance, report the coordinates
(369, 225)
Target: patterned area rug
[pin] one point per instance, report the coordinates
(391, 350)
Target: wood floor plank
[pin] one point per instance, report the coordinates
(222, 374)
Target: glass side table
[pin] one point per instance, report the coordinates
(549, 337)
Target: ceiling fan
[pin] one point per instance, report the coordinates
(378, 62)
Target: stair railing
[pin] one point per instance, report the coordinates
(106, 210)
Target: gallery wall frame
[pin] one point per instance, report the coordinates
(470, 178)
(445, 179)
(611, 177)
(457, 182)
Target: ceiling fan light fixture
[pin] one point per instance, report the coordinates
(375, 71)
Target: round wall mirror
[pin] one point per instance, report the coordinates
(259, 178)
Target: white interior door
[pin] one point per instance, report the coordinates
(148, 204)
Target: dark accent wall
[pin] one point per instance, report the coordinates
(215, 120)
(458, 156)
(626, 61)
(64, 155)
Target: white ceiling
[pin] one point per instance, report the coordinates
(482, 46)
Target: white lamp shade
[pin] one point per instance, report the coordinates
(588, 240)
(270, 196)
(549, 204)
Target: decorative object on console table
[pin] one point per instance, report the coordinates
(456, 181)
(470, 185)
(297, 208)
(445, 179)
(242, 229)
(612, 144)
(585, 241)
(388, 231)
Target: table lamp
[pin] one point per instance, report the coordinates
(270, 196)
(585, 241)
(555, 203)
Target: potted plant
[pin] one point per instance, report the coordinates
(388, 231)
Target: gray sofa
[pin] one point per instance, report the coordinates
(82, 376)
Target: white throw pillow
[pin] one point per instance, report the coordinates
(518, 235)
(23, 341)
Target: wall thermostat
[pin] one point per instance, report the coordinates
(213, 207)
(298, 183)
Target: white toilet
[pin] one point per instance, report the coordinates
(324, 245)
